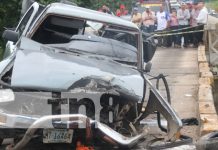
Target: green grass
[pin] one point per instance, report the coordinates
(212, 4)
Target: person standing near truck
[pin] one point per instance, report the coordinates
(136, 17)
(162, 24)
(105, 9)
(122, 11)
(174, 26)
(148, 20)
(202, 19)
(183, 16)
(194, 25)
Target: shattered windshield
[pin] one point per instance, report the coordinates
(89, 37)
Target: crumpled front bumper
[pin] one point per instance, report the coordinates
(70, 121)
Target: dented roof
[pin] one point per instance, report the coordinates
(83, 13)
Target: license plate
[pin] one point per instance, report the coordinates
(57, 136)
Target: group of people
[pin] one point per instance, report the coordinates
(122, 11)
(178, 23)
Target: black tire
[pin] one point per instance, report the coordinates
(208, 142)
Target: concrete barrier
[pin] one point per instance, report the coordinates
(207, 111)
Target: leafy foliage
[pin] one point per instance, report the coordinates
(9, 16)
(212, 4)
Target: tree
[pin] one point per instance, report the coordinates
(9, 16)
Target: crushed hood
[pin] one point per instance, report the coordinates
(46, 70)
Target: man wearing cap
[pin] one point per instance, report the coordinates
(136, 17)
(183, 16)
(201, 19)
(148, 20)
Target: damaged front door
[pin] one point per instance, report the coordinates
(22, 28)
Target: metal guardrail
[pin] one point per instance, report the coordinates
(207, 111)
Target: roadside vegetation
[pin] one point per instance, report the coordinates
(9, 16)
(213, 4)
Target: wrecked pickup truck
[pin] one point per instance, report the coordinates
(75, 77)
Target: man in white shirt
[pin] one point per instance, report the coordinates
(183, 16)
(202, 19)
(162, 24)
(193, 22)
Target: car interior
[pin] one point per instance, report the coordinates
(57, 29)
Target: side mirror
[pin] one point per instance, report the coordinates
(147, 67)
(10, 35)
